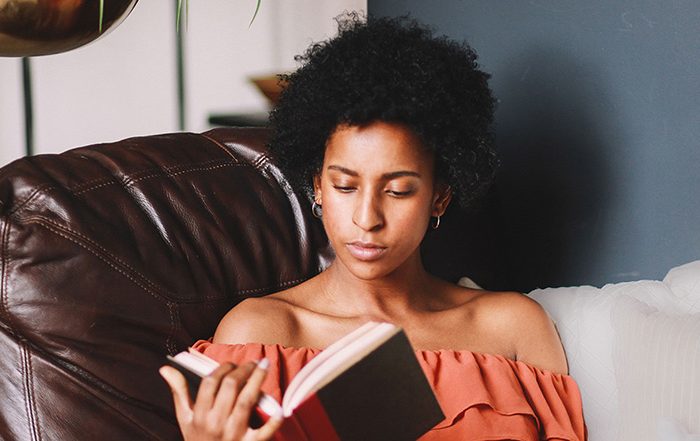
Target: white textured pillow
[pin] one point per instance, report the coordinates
(657, 364)
(669, 429)
(684, 281)
(583, 318)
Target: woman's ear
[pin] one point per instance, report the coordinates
(441, 199)
(317, 189)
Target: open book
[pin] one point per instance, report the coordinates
(366, 386)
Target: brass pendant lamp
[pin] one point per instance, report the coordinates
(41, 27)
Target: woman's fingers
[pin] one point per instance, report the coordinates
(181, 395)
(208, 389)
(266, 432)
(229, 393)
(224, 403)
(246, 401)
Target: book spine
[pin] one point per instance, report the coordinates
(314, 420)
(290, 430)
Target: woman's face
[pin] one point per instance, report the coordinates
(378, 192)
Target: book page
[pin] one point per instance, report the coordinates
(269, 405)
(323, 356)
(198, 363)
(342, 354)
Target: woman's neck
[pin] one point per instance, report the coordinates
(406, 290)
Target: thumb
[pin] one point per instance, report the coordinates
(181, 395)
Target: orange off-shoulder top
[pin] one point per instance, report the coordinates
(483, 396)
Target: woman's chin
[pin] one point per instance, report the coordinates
(370, 270)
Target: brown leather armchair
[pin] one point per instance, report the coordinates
(114, 255)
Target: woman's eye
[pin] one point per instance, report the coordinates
(343, 189)
(399, 194)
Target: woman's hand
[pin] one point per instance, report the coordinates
(224, 403)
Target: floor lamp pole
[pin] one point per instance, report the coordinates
(180, 66)
(28, 107)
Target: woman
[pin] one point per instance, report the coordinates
(383, 126)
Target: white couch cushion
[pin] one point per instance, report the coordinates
(669, 429)
(583, 318)
(684, 281)
(657, 365)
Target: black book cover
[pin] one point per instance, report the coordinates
(385, 396)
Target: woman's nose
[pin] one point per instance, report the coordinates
(368, 214)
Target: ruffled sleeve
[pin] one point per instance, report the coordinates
(288, 361)
(486, 397)
(483, 396)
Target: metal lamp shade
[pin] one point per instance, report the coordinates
(41, 27)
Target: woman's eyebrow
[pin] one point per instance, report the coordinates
(342, 169)
(400, 174)
(388, 176)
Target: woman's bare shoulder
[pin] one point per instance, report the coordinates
(268, 320)
(526, 324)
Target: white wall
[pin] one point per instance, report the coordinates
(11, 109)
(124, 84)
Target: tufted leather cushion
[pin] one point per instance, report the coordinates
(114, 255)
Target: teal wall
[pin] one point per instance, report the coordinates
(598, 126)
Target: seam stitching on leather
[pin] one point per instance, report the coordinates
(280, 285)
(48, 226)
(28, 384)
(213, 167)
(222, 147)
(261, 161)
(169, 343)
(23, 372)
(88, 379)
(32, 401)
(155, 289)
(3, 270)
(102, 181)
(129, 181)
(5, 236)
(42, 189)
(145, 279)
(85, 376)
(105, 180)
(39, 190)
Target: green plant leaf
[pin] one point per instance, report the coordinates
(102, 11)
(255, 14)
(179, 14)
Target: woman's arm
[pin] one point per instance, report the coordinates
(525, 329)
(265, 320)
(537, 341)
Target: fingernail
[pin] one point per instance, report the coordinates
(264, 363)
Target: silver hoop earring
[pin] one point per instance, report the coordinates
(437, 223)
(317, 210)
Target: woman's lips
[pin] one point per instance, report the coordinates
(365, 251)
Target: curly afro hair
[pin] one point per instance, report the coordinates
(392, 70)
